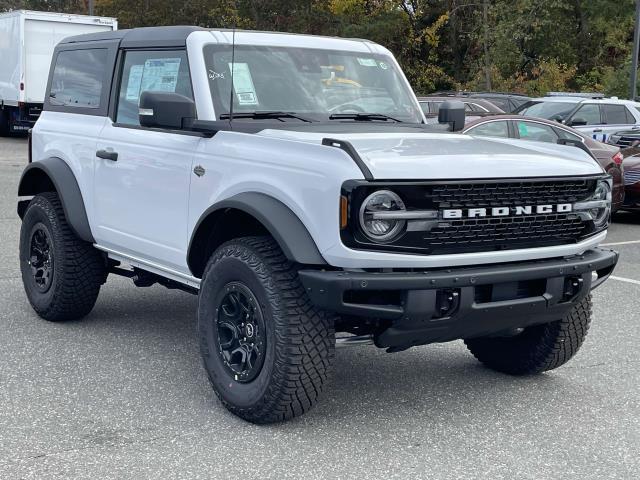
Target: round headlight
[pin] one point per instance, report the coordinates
(376, 215)
(602, 192)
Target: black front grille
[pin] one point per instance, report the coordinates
(478, 233)
(477, 195)
(626, 141)
(504, 233)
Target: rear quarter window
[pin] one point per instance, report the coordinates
(78, 79)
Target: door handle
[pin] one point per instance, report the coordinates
(597, 130)
(107, 155)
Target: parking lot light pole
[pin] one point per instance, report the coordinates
(90, 7)
(634, 59)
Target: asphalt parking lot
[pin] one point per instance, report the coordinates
(122, 394)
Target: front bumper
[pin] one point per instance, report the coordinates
(448, 304)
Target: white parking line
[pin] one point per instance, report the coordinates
(627, 280)
(619, 243)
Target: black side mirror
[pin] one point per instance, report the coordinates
(452, 112)
(166, 110)
(577, 122)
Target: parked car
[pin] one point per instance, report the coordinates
(632, 178)
(595, 117)
(625, 138)
(537, 129)
(291, 183)
(508, 102)
(474, 108)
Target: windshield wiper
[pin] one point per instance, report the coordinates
(366, 117)
(258, 115)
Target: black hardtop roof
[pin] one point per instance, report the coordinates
(170, 36)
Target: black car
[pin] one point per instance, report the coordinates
(625, 138)
(507, 102)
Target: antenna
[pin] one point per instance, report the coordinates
(233, 59)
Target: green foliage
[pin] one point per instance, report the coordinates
(531, 46)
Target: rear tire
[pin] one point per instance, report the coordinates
(267, 350)
(538, 348)
(61, 273)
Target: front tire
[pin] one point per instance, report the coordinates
(61, 273)
(538, 348)
(267, 350)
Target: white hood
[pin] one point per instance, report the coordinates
(436, 156)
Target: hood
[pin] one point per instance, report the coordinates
(441, 156)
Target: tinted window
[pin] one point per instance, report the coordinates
(491, 129)
(616, 114)
(502, 103)
(589, 113)
(568, 135)
(160, 71)
(548, 110)
(537, 132)
(78, 78)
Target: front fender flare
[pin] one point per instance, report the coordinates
(279, 220)
(59, 174)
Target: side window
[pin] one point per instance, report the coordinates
(562, 133)
(590, 113)
(501, 103)
(537, 132)
(615, 114)
(77, 80)
(490, 129)
(630, 117)
(468, 107)
(158, 71)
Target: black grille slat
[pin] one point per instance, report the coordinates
(478, 195)
(560, 228)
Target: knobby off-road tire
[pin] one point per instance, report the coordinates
(292, 343)
(538, 348)
(75, 269)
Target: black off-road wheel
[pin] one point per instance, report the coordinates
(267, 350)
(537, 348)
(61, 273)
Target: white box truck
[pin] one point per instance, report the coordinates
(27, 40)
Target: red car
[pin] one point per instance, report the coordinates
(631, 179)
(541, 130)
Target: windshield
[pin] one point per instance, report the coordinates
(548, 110)
(313, 83)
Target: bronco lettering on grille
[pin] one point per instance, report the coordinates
(506, 211)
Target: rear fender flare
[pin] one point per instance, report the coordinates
(54, 173)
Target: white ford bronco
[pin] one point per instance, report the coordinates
(292, 183)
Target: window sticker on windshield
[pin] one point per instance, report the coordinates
(161, 74)
(367, 62)
(133, 86)
(243, 84)
(383, 65)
